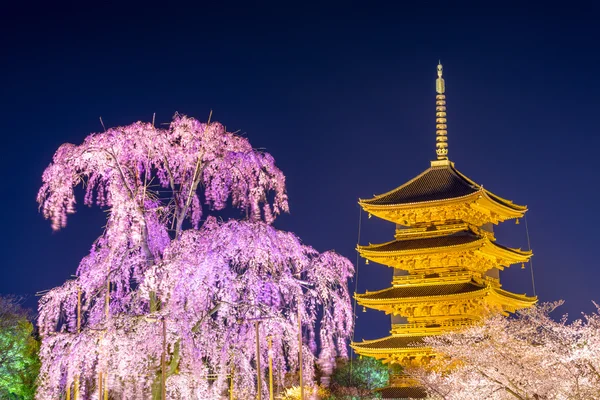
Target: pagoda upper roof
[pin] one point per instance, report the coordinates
(385, 298)
(439, 182)
(456, 239)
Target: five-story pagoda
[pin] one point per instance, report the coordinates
(445, 257)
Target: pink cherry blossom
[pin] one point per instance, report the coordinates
(529, 356)
(178, 276)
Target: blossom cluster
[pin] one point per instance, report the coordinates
(529, 356)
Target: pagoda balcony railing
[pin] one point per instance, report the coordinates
(421, 279)
(429, 328)
(426, 231)
(399, 379)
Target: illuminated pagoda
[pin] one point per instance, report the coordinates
(445, 258)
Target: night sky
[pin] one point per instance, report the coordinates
(342, 96)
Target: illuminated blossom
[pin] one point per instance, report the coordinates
(530, 356)
(179, 277)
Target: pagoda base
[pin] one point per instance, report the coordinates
(402, 392)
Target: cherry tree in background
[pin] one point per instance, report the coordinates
(170, 292)
(530, 356)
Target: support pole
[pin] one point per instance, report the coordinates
(258, 391)
(78, 310)
(106, 386)
(163, 362)
(300, 352)
(270, 341)
(107, 310)
(99, 385)
(76, 384)
(231, 380)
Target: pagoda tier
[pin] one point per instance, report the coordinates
(439, 195)
(394, 349)
(443, 306)
(463, 250)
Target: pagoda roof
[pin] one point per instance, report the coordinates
(439, 182)
(464, 239)
(456, 239)
(403, 292)
(400, 392)
(391, 343)
(385, 298)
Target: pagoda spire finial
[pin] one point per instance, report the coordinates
(441, 138)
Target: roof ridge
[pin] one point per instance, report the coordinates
(377, 196)
(489, 193)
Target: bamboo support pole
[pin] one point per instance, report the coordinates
(76, 384)
(107, 311)
(231, 380)
(105, 386)
(258, 372)
(300, 353)
(270, 341)
(163, 362)
(99, 385)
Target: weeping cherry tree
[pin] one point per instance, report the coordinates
(165, 303)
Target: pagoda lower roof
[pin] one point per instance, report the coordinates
(439, 182)
(398, 392)
(391, 343)
(404, 292)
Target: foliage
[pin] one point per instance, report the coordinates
(19, 362)
(530, 356)
(179, 277)
(359, 378)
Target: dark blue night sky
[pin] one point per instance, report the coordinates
(341, 95)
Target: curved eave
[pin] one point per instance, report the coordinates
(507, 209)
(507, 253)
(494, 197)
(482, 197)
(519, 300)
(484, 245)
(506, 205)
(418, 204)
